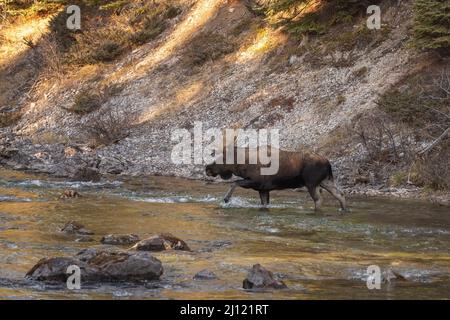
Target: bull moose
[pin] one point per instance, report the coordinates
(296, 170)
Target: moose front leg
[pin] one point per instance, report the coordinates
(265, 198)
(240, 183)
(230, 191)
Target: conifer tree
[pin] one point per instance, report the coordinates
(432, 25)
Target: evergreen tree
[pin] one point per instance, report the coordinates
(432, 25)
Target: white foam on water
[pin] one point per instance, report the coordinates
(238, 202)
(174, 199)
(67, 184)
(14, 199)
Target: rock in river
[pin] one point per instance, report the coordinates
(55, 269)
(73, 227)
(120, 239)
(100, 265)
(390, 276)
(68, 193)
(205, 275)
(259, 277)
(161, 242)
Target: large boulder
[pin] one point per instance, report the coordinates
(161, 242)
(120, 239)
(55, 269)
(100, 265)
(259, 277)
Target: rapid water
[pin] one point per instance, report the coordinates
(318, 255)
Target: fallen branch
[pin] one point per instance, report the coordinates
(435, 142)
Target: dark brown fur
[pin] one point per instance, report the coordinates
(296, 170)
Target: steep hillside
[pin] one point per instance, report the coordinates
(110, 95)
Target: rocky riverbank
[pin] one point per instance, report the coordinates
(82, 163)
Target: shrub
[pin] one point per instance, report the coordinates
(361, 72)
(151, 23)
(432, 25)
(9, 118)
(153, 29)
(422, 101)
(109, 126)
(382, 139)
(295, 17)
(85, 102)
(207, 47)
(434, 170)
(107, 51)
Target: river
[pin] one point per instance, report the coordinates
(318, 255)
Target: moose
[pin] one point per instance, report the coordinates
(295, 170)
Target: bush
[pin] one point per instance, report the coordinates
(109, 126)
(85, 102)
(382, 139)
(207, 47)
(151, 30)
(422, 101)
(432, 25)
(9, 118)
(434, 170)
(107, 51)
(151, 23)
(295, 17)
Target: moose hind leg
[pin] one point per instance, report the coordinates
(265, 197)
(330, 186)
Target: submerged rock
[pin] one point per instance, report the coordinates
(259, 277)
(100, 265)
(84, 239)
(215, 245)
(73, 227)
(161, 242)
(120, 239)
(205, 275)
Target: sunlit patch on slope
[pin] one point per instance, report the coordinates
(181, 98)
(265, 41)
(14, 37)
(202, 12)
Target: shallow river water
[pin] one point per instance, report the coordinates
(318, 255)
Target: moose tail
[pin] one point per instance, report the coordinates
(330, 173)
